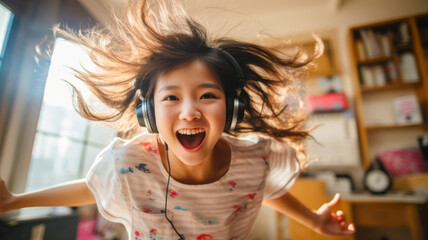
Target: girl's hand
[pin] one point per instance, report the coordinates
(6, 197)
(333, 223)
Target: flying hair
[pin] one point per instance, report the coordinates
(155, 37)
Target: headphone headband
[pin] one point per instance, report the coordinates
(238, 70)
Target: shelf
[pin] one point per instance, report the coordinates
(392, 126)
(377, 102)
(388, 87)
(328, 112)
(375, 60)
(404, 47)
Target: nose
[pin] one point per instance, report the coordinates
(189, 111)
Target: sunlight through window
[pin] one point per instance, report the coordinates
(66, 144)
(6, 18)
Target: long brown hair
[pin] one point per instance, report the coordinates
(152, 40)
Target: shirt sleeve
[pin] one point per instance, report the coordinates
(105, 183)
(284, 168)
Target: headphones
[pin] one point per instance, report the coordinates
(234, 105)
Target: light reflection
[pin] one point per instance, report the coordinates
(66, 56)
(5, 20)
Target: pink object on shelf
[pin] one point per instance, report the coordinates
(402, 162)
(327, 102)
(86, 230)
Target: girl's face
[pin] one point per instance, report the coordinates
(190, 111)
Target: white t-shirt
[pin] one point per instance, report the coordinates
(129, 182)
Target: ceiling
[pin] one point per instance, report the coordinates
(101, 9)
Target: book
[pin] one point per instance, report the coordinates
(360, 50)
(385, 44)
(407, 110)
(379, 75)
(391, 72)
(367, 76)
(366, 42)
(409, 70)
(404, 33)
(374, 44)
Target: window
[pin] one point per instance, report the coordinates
(65, 144)
(6, 18)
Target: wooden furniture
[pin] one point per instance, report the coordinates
(39, 223)
(398, 41)
(312, 193)
(386, 211)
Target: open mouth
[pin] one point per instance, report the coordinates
(191, 138)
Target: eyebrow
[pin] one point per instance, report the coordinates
(203, 85)
(211, 85)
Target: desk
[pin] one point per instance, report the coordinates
(39, 223)
(390, 210)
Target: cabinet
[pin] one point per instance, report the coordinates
(388, 216)
(389, 64)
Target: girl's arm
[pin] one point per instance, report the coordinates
(323, 220)
(73, 193)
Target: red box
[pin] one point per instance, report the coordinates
(330, 102)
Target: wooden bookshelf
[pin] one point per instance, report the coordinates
(392, 126)
(381, 75)
(388, 87)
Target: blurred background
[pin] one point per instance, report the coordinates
(369, 94)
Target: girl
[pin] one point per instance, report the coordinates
(192, 175)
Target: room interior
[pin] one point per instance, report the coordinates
(368, 96)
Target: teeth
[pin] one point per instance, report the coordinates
(190, 131)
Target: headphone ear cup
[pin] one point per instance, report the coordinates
(230, 109)
(146, 115)
(229, 113)
(140, 115)
(241, 110)
(151, 115)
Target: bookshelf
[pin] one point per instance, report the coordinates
(389, 63)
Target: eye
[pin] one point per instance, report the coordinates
(208, 96)
(171, 98)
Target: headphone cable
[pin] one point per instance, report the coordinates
(166, 195)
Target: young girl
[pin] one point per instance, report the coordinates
(192, 175)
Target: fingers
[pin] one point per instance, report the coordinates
(340, 216)
(351, 227)
(335, 222)
(334, 201)
(347, 229)
(350, 230)
(326, 208)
